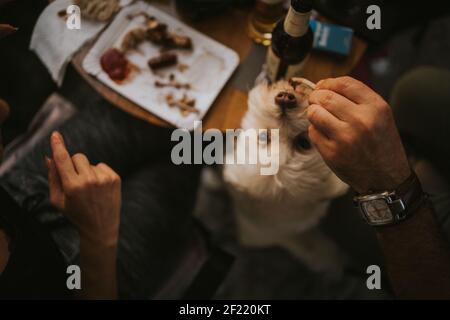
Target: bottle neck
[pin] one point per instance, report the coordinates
(296, 23)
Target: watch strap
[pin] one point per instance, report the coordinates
(402, 202)
(411, 194)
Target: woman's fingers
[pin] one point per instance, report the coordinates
(63, 161)
(57, 198)
(82, 165)
(106, 173)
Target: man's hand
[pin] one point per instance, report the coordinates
(89, 196)
(354, 130)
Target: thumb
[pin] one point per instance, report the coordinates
(57, 198)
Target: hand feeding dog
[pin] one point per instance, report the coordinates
(285, 209)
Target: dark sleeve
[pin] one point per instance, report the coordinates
(36, 269)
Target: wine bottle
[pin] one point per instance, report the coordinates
(292, 41)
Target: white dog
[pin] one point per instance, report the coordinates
(284, 209)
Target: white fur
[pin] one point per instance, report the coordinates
(284, 209)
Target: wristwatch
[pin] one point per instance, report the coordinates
(391, 207)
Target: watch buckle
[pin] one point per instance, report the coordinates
(399, 208)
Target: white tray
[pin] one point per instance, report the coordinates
(210, 66)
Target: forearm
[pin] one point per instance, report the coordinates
(98, 270)
(417, 256)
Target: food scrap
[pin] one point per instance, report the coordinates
(62, 14)
(187, 105)
(155, 32)
(302, 82)
(177, 41)
(131, 16)
(302, 87)
(182, 67)
(98, 10)
(164, 60)
(115, 64)
(172, 83)
(133, 39)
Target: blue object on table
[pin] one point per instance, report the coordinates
(331, 38)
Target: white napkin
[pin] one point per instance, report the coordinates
(55, 44)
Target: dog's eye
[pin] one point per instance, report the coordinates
(302, 142)
(264, 137)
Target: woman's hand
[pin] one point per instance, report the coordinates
(89, 196)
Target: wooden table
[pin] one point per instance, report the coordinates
(231, 104)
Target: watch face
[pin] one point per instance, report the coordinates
(377, 211)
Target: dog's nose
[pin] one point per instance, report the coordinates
(286, 100)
